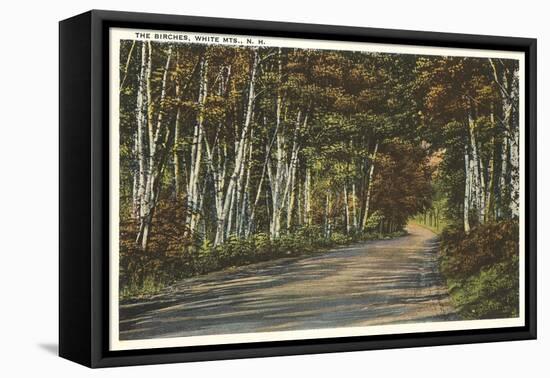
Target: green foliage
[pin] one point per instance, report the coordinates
(482, 269)
(373, 221)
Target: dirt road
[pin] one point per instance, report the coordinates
(372, 283)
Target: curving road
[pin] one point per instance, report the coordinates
(372, 283)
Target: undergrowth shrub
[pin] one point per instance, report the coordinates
(482, 269)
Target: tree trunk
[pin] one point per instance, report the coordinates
(506, 77)
(196, 153)
(279, 174)
(139, 142)
(490, 213)
(218, 174)
(369, 188)
(299, 202)
(260, 183)
(477, 183)
(292, 174)
(307, 197)
(354, 206)
(466, 206)
(175, 151)
(141, 138)
(240, 152)
(245, 208)
(328, 224)
(346, 209)
(155, 163)
(127, 65)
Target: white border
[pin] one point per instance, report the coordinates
(117, 34)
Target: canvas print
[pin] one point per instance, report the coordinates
(275, 189)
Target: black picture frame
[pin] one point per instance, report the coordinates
(84, 188)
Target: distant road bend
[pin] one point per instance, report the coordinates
(372, 283)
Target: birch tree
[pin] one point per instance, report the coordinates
(155, 161)
(195, 161)
(234, 178)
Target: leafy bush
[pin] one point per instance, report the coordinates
(341, 239)
(482, 269)
(373, 221)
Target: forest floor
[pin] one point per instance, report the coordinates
(370, 283)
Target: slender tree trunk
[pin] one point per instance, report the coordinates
(135, 181)
(217, 173)
(141, 138)
(292, 187)
(504, 179)
(490, 213)
(139, 151)
(279, 175)
(346, 209)
(218, 170)
(291, 171)
(175, 151)
(238, 192)
(369, 188)
(307, 197)
(329, 215)
(477, 183)
(466, 206)
(512, 86)
(354, 206)
(127, 65)
(155, 162)
(193, 194)
(299, 202)
(240, 151)
(246, 192)
(149, 91)
(506, 78)
(260, 183)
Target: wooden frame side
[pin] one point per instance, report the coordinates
(75, 211)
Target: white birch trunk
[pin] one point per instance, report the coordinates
(239, 188)
(299, 203)
(246, 192)
(328, 223)
(262, 176)
(196, 154)
(154, 164)
(141, 110)
(466, 206)
(279, 175)
(217, 178)
(507, 83)
(307, 197)
(175, 151)
(476, 182)
(513, 90)
(140, 142)
(346, 209)
(354, 206)
(240, 152)
(369, 187)
(291, 195)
